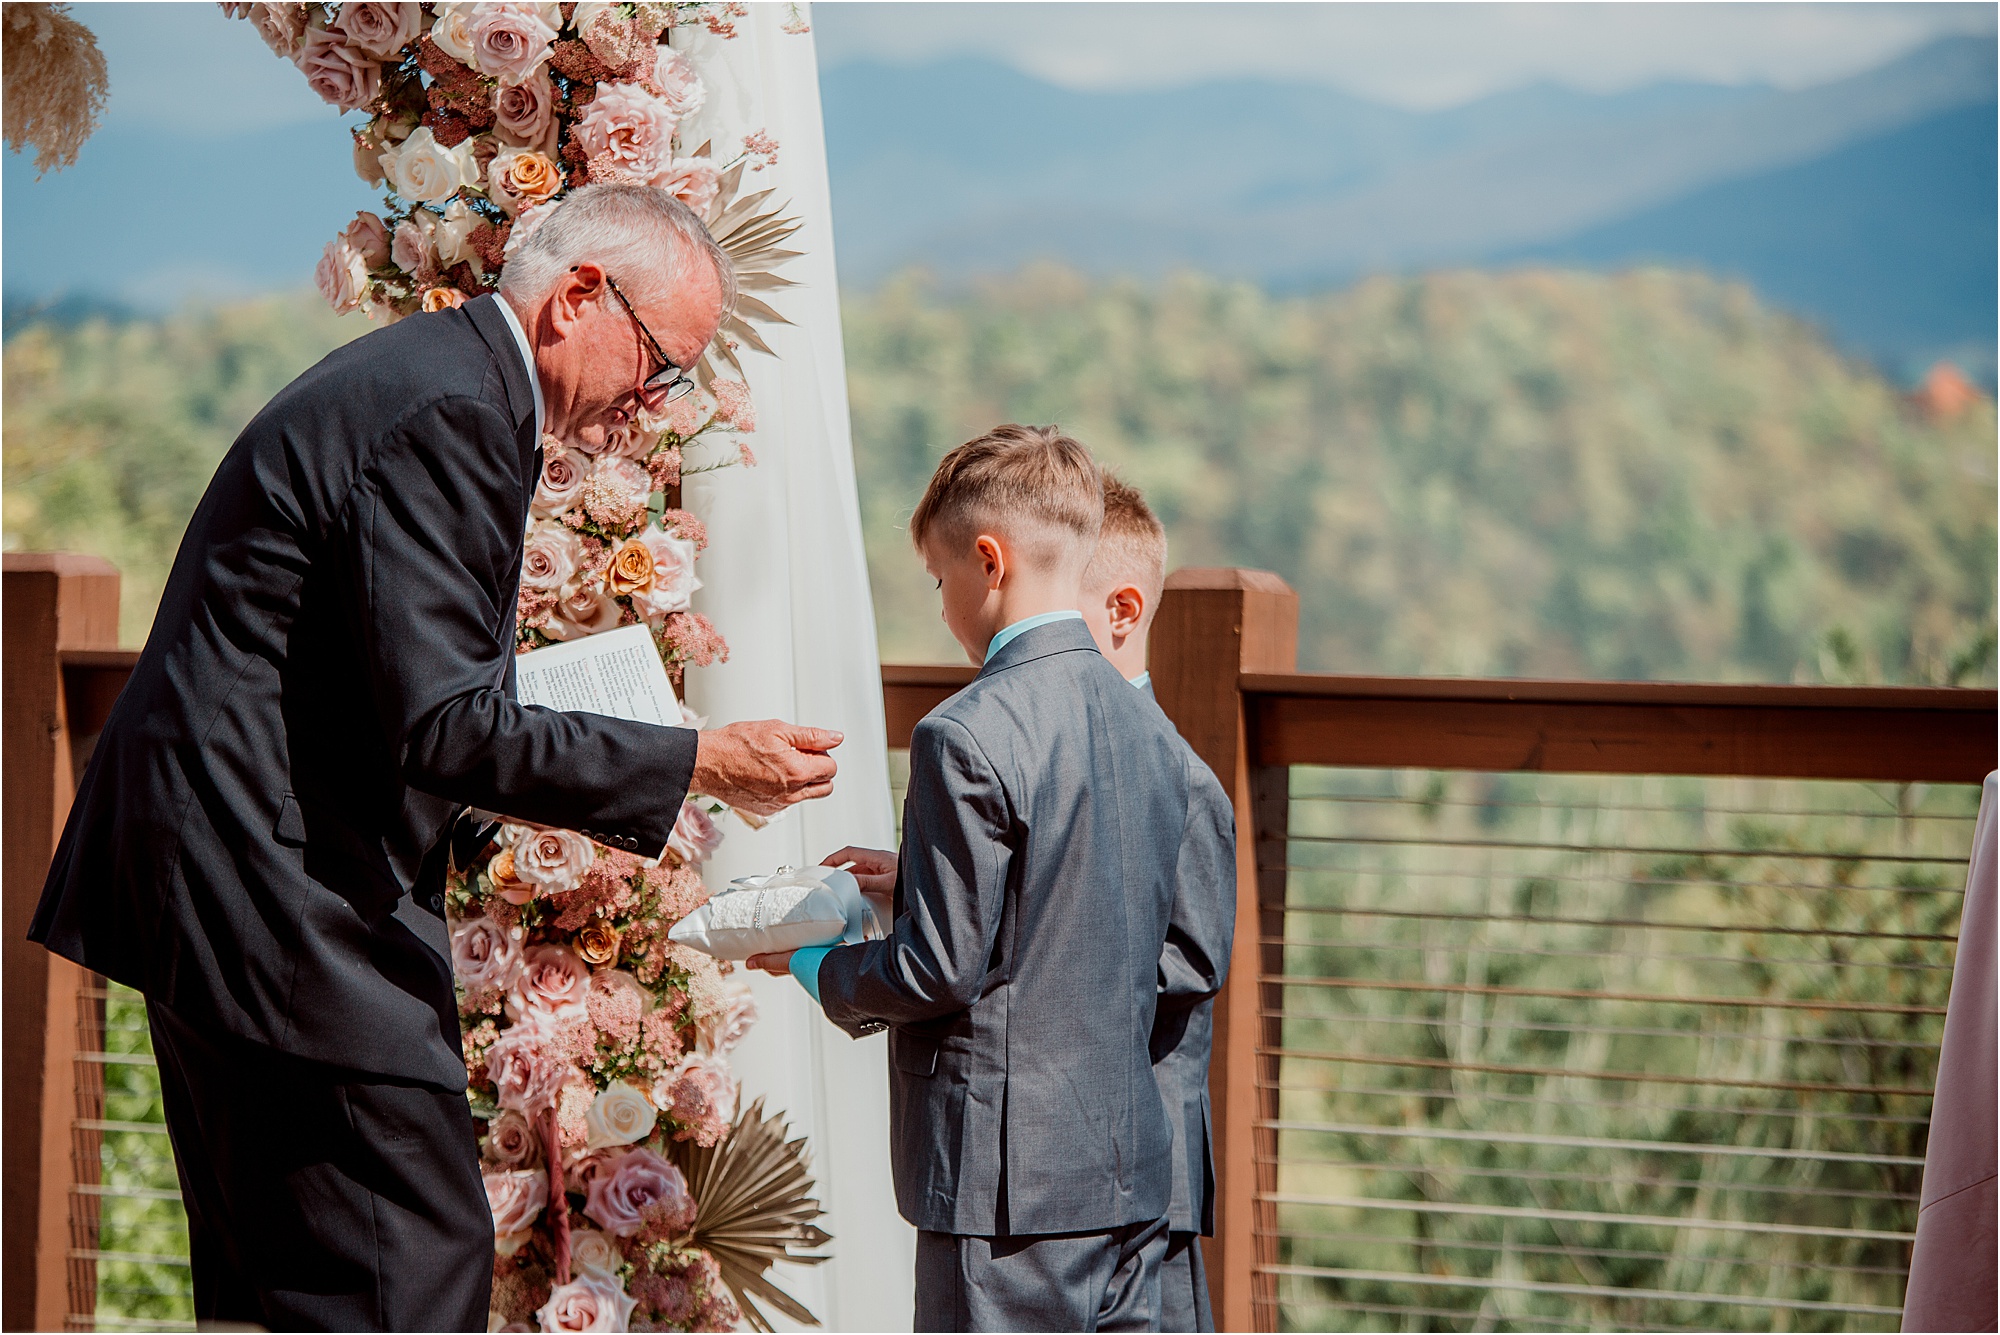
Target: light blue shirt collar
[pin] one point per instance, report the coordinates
(1142, 681)
(1001, 641)
(527, 356)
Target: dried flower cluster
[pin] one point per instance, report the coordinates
(55, 82)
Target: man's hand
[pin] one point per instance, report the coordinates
(874, 868)
(778, 963)
(762, 768)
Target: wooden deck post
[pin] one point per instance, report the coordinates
(54, 603)
(1212, 626)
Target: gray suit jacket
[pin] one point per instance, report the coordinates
(1193, 968)
(1042, 835)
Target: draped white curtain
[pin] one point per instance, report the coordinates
(786, 583)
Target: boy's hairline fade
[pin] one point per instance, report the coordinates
(1131, 545)
(1035, 484)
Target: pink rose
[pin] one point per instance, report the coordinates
(586, 1166)
(525, 223)
(700, 1094)
(550, 556)
(342, 276)
(281, 26)
(524, 113)
(674, 582)
(378, 31)
(592, 1301)
(516, 1197)
(410, 249)
(339, 73)
(643, 1189)
(551, 985)
(695, 837)
(369, 236)
(693, 181)
(584, 609)
(510, 40)
(675, 74)
(592, 1250)
(552, 861)
(484, 955)
(526, 1072)
(564, 471)
(512, 1143)
(630, 440)
(721, 1028)
(628, 130)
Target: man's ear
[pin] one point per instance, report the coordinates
(577, 289)
(1128, 608)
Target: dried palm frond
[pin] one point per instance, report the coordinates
(751, 240)
(55, 83)
(752, 1208)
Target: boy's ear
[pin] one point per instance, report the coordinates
(1127, 606)
(992, 556)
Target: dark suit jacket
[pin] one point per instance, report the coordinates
(1047, 806)
(259, 838)
(1193, 968)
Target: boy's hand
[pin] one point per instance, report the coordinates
(778, 963)
(874, 869)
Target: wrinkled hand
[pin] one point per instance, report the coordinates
(764, 767)
(874, 869)
(778, 963)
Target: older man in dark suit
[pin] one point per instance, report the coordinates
(260, 840)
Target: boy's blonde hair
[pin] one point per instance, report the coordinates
(1031, 483)
(1131, 547)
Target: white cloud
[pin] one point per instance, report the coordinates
(1410, 55)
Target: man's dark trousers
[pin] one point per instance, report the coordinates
(1065, 1281)
(314, 1181)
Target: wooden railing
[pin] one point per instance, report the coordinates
(1224, 669)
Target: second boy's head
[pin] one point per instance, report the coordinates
(1006, 527)
(1121, 587)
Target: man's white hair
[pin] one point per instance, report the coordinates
(643, 237)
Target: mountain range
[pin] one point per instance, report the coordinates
(1865, 204)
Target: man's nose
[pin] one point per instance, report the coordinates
(652, 397)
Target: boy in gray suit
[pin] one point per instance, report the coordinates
(1121, 592)
(1048, 807)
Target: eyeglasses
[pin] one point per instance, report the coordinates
(670, 378)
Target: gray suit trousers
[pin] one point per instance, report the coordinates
(1184, 1285)
(1041, 1281)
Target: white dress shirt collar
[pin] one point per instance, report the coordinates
(527, 356)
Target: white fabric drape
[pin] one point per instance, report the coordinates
(786, 582)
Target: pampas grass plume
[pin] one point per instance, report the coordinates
(54, 82)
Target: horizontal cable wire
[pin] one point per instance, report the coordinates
(1500, 948)
(1448, 1313)
(134, 1128)
(136, 1258)
(1585, 1216)
(118, 1058)
(1502, 804)
(1583, 1290)
(1648, 883)
(1644, 924)
(1788, 854)
(1616, 1105)
(135, 1193)
(1556, 1027)
(1559, 1251)
(1559, 1175)
(1587, 994)
(1589, 1143)
(1641, 1077)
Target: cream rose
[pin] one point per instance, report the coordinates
(511, 1143)
(339, 73)
(550, 556)
(591, 1250)
(621, 1115)
(695, 837)
(584, 609)
(673, 584)
(520, 178)
(524, 227)
(676, 76)
(342, 276)
(553, 861)
(524, 113)
(693, 181)
(551, 985)
(484, 955)
(720, 1029)
(421, 168)
(378, 31)
(628, 131)
(451, 29)
(595, 1301)
(516, 1198)
(510, 39)
(453, 232)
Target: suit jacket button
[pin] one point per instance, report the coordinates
(631, 844)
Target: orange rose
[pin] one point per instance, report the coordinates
(534, 177)
(443, 298)
(597, 943)
(506, 884)
(632, 569)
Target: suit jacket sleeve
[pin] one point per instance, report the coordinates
(435, 537)
(953, 871)
(1201, 926)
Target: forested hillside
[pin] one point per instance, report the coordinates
(1646, 475)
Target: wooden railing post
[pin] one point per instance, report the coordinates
(54, 603)
(1212, 626)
